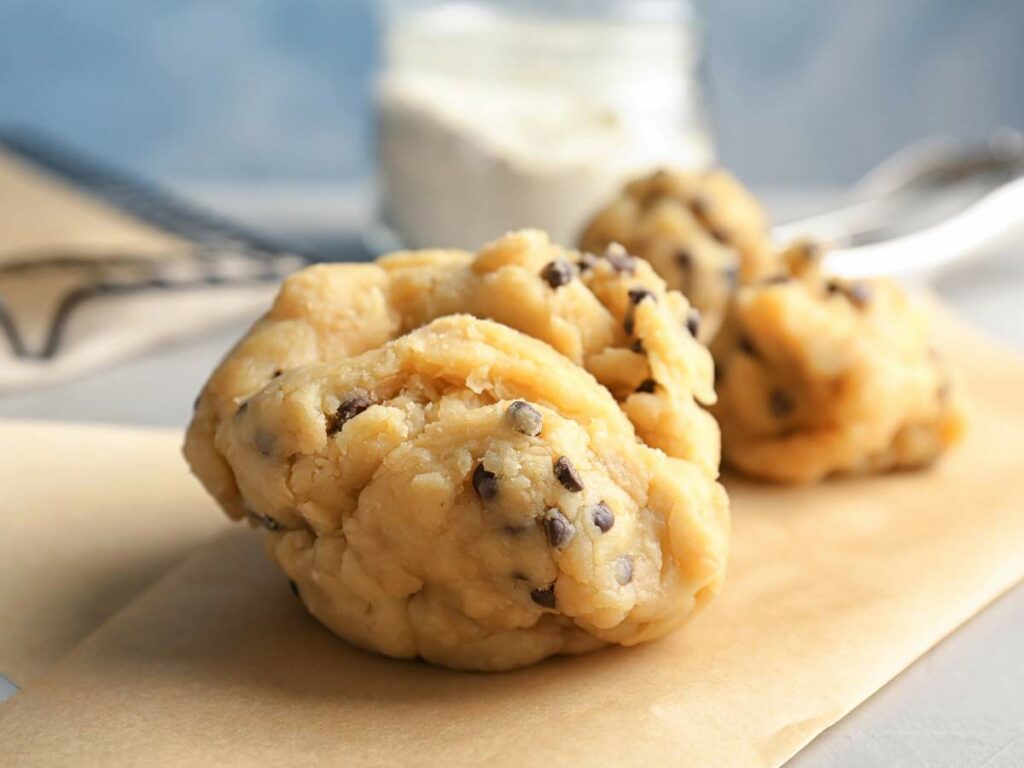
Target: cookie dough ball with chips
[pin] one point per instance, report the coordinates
(819, 376)
(612, 315)
(702, 231)
(468, 495)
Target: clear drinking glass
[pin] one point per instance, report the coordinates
(499, 115)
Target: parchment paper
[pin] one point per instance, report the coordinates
(831, 592)
(90, 516)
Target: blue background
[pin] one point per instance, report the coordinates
(811, 92)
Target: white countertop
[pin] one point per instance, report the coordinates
(961, 705)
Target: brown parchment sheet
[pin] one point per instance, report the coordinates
(832, 590)
(90, 516)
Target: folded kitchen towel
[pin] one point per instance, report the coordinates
(95, 267)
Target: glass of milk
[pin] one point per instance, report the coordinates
(496, 115)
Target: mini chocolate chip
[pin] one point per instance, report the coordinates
(811, 251)
(732, 276)
(567, 475)
(721, 235)
(638, 347)
(586, 261)
(264, 442)
(602, 516)
(624, 570)
(859, 294)
(647, 385)
(747, 346)
(242, 409)
(485, 483)
(277, 372)
(684, 259)
(558, 528)
(781, 403)
(347, 411)
(693, 321)
(525, 418)
(636, 295)
(620, 260)
(557, 273)
(776, 279)
(629, 324)
(266, 521)
(834, 286)
(544, 597)
(294, 586)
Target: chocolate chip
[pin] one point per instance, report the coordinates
(544, 597)
(834, 286)
(638, 347)
(586, 261)
(781, 403)
(859, 294)
(294, 587)
(567, 475)
(602, 516)
(264, 442)
(721, 235)
(624, 570)
(684, 259)
(732, 276)
(524, 418)
(277, 372)
(485, 483)
(347, 411)
(557, 273)
(636, 295)
(620, 260)
(811, 251)
(629, 324)
(266, 521)
(647, 385)
(693, 321)
(558, 528)
(747, 346)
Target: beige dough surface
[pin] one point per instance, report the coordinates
(467, 494)
(610, 314)
(822, 376)
(701, 231)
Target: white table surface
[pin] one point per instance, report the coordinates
(959, 706)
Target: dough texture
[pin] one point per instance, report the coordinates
(818, 376)
(613, 315)
(466, 494)
(480, 493)
(702, 231)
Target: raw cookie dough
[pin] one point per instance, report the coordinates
(702, 231)
(611, 314)
(819, 376)
(467, 494)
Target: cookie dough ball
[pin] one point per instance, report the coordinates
(702, 231)
(820, 376)
(612, 315)
(468, 495)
